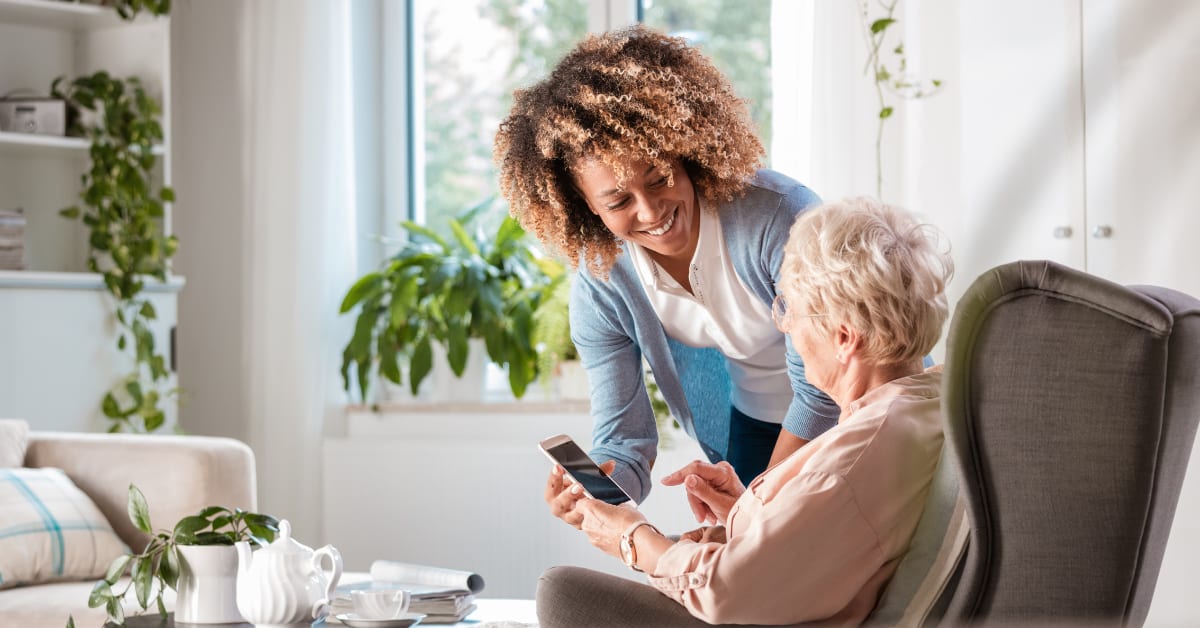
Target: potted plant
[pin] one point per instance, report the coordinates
(182, 559)
(445, 291)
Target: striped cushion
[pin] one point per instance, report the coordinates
(50, 530)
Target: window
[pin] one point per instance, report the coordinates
(735, 34)
(468, 56)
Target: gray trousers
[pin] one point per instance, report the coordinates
(574, 597)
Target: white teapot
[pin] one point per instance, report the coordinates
(283, 583)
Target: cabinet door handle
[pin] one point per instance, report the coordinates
(1102, 231)
(1063, 232)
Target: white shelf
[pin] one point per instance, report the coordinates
(70, 16)
(33, 145)
(43, 145)
(24, 279)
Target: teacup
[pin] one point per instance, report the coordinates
(380, 603)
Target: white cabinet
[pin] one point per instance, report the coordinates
(57, 342)
(1079, 124)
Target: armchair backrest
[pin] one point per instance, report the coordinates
(1071, 406)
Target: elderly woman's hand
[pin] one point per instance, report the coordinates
(604, 523)
(706, 534)
(712, 489)
(562, 493)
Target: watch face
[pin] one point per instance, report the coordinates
(626, 551)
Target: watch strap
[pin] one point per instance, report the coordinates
(630, 557)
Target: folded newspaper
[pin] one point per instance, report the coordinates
(444, 596)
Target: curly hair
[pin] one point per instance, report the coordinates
(875, 268)
(621, 97)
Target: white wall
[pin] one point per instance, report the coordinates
(210, 216)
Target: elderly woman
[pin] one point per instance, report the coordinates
(636, 160)
(816, 536)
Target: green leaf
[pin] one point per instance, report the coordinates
(135, 390)
(141, 573)
(364, 287)
(213, 538)
(457, 350)
(937, 83)
(168, 566)
(70, 621)
(424, 232)
(463, 238)
(189, 526)
(167, 195)
(162, 608)
(421, 364)
(70, 212)
(100, 594)
(389, 365)
(139, 513)
(212, 510)
(147, 311)
(885, 113)
(154, 420)
(109, 406)
(116, 614)
(116, 569)
(520, 373)
(881, 24)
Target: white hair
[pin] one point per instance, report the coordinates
(874, 268)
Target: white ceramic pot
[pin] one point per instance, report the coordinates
(207, 587)
(573, 381)
(441, 385)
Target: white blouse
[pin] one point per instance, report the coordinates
(721, 312)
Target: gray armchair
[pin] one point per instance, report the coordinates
(1071, 407)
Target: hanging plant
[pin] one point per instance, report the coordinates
(123, 212)
(891, 75)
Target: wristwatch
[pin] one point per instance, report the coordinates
(628, 549)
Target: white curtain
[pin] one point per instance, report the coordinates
(299, 201)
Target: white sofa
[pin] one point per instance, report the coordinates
(179, 475)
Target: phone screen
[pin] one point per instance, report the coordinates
(576, 462)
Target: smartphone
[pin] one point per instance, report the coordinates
(565, 453)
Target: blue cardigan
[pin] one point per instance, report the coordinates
(613, 325)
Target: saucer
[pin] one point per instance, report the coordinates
(403, 621)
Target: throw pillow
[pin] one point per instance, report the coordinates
(50, 530)
(14, 434)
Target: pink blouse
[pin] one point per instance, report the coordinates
(816, 536)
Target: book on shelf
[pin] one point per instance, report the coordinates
(444, 596)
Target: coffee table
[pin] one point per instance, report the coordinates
(500, 611)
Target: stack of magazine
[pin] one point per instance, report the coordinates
(444, 596)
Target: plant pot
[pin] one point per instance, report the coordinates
(573, 381)
(441, 385)
(207, 588)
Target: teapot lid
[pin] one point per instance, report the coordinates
(284, 544)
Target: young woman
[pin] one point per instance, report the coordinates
(637, 161)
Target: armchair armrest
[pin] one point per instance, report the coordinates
(179, 475)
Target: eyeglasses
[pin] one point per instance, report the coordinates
(782, 316)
